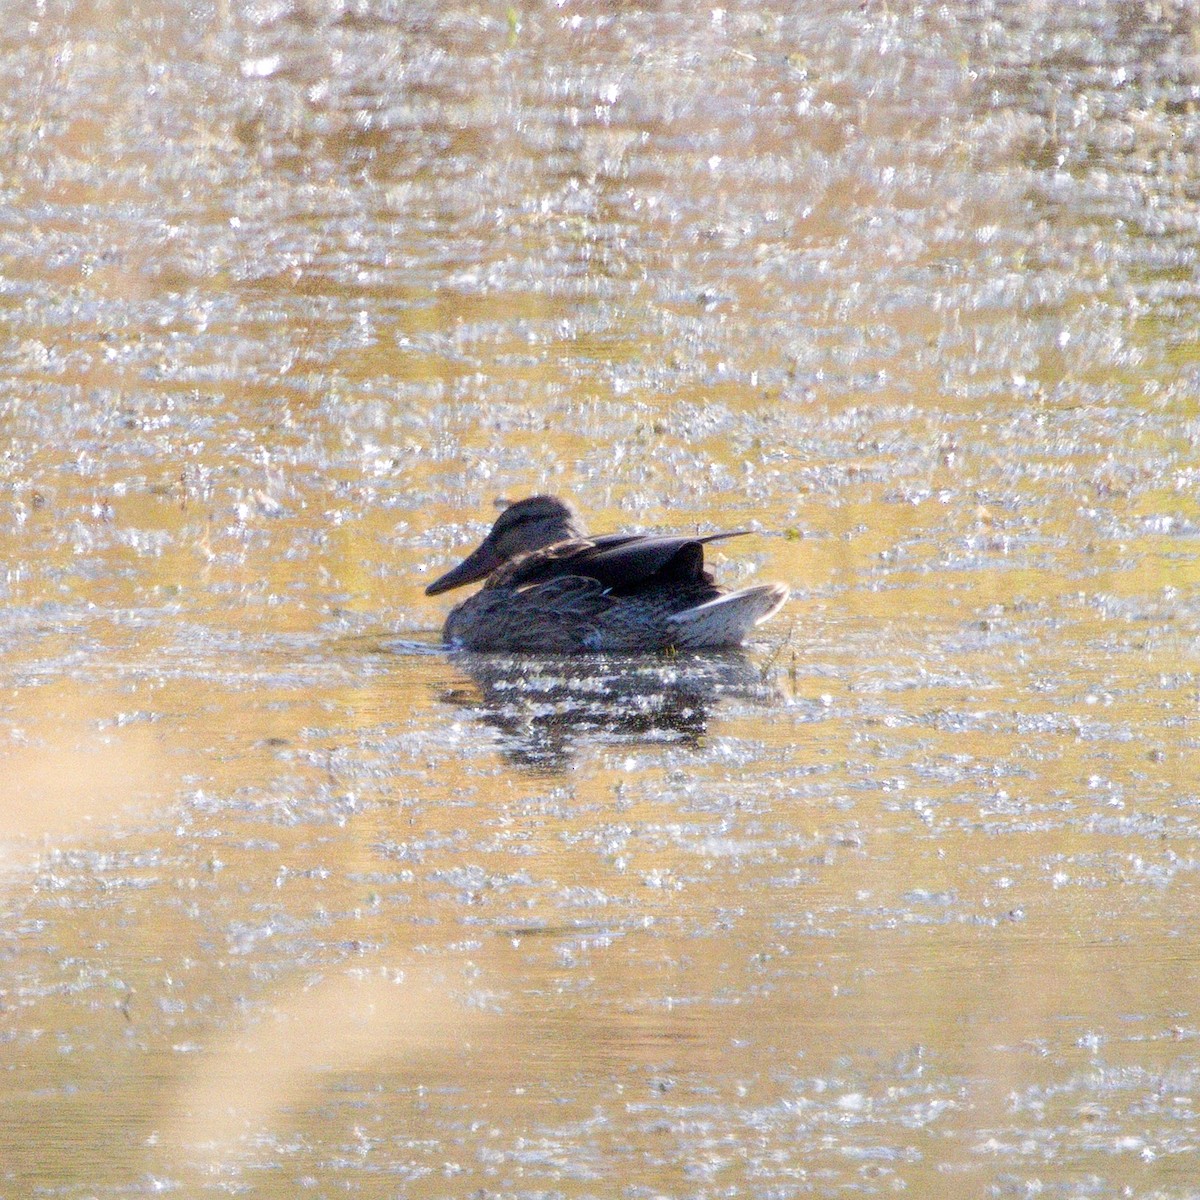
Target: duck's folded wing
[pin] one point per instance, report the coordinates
(619, 562)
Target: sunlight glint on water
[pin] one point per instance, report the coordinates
(901, 899)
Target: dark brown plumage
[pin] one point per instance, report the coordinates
(550, 587)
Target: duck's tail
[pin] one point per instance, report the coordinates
(726, 620)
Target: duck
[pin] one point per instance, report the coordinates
(551, 588)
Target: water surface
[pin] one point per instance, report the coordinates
(902, 899)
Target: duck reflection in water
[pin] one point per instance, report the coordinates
(543, 708)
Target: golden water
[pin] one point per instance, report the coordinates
(903, 900)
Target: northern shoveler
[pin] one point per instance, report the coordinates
(551, 588)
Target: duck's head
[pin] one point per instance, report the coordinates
(528, 525)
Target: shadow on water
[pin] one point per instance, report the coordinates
(544, 708)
